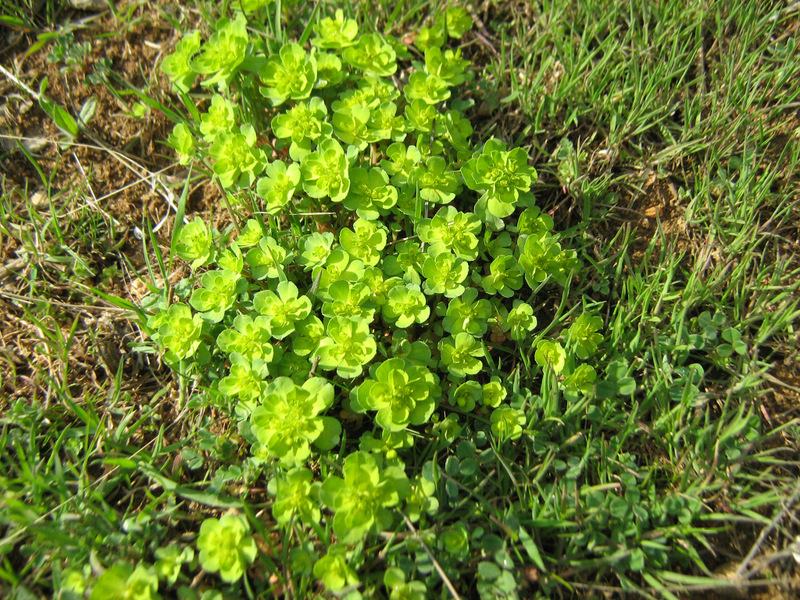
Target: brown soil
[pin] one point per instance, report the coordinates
(113, 179)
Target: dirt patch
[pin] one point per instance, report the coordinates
(93, 194)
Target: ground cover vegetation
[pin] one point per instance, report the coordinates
(407, 300)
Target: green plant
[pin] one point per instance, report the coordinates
(380, 158)
(124, 581)
(620, 469)
(226, 546)
(361, 499)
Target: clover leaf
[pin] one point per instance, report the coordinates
(226, 546)
(288, 419)
(347, 346)
(403, 394)
(362, 498)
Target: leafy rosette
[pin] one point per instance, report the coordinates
(224, 52)
(326, 171)
(402, 392)
(179, 331)
(371, 195)
(361, 500)
(291, 73)
(288, 419)
(372, 55)
(504, 177)
(452, 230)
(284, 308)
(296, 494)
(349, 300)
(178, 65)
(237, 159)
(245, 379)
(304, 124)
(219, 291)
(226, 546)
(335, 33)
(347, 347)
(220, 118)
(123, 581)
(249, 337)
(582, 335)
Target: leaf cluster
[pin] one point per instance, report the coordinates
(412, 309)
